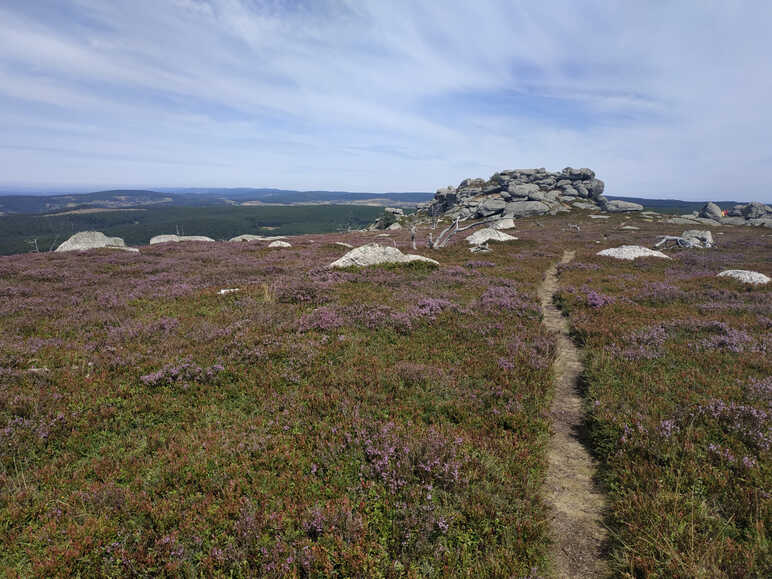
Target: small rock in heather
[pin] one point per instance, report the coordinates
(344, 244)
(375, 254)
(488, 234)
(84, 240)
(177, 238)
(226, 291)
(279, 244)
(745, 276)
(631, 252)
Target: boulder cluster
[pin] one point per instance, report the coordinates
(754, 213)
(524, 193)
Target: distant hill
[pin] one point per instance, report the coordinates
(202, 197)
(132, 198)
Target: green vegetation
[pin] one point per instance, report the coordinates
(136, 227)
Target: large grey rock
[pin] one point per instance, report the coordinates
(631, 252)
(745, 276)
(545, 196)
(488, 234)
(375, 254)
(619, 206)
(85, 240)
(755, 210)
(699, 237)
(761, 222)
(524, 190)
(177, 238)
(490, 207)
(586, 205)
(526, 208)
(711, 211)
(394, 226)
(595, 188)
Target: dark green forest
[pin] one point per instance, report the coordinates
(18, 232)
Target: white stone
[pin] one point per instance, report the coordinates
(375, 254)
(631, 252)
(598, 216)
(279, 244)
(227, 291)
(745, 276)
(247, 237)
(344, 244)
(394, 226)
(84, 240)
(177, 238)
(488, 234)
(507, 223)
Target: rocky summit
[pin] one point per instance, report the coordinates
(525, 193)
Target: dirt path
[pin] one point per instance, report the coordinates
(578, 506)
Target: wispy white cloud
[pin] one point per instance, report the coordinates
(661, 99)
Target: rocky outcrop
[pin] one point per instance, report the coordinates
(85, 240)
(524, 193)
(754, 213)
(375, 254)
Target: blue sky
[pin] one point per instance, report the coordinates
(661, 99)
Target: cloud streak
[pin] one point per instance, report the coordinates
(661, 99)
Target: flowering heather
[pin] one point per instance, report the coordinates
(678, 375)
(323, 318)
(364, 425)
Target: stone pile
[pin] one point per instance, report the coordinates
(754, 213)
(524, 193)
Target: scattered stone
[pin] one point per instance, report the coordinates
(619, 206)
(480, 248)
(279, 244)
(247, 237)
(375, 254)
(630, 228)
(224, 292)
(483, 236)
(85, 240)
(599, 216)
(745, 276)
(178, 238)
(344, 244)
(631, 252)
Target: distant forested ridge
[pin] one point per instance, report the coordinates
(124, 198)
(19, 233)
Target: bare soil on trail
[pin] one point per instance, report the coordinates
(577, 504)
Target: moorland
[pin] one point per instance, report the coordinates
(386, 421)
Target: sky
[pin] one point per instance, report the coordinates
(660, 98)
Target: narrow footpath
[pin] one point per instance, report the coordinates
(577, 505)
